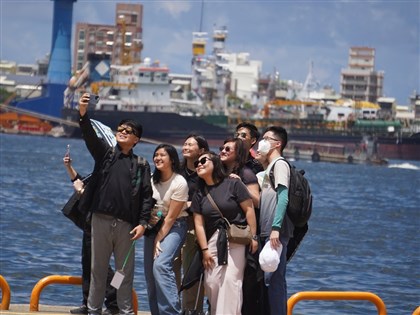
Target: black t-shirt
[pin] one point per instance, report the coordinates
(254, 165)
(192, 181)
(248, 176)
(228, 195)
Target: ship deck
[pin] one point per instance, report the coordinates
(23, 309)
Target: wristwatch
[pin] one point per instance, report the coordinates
(255, 237)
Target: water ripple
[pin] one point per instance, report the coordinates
(363, 233)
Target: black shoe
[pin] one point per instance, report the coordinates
(80, 310)
(111, 311)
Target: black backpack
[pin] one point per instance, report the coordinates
(299, 208)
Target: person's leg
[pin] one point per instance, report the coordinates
(148, 273)
(124, 254)
(213, 277)
(252, 287)
(177, 269)
(86, 262)
(189, 296)
(101, 253)
(277, 286)
(229, 299)
(166, 287)
(111, 292)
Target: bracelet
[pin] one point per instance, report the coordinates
(204, 249)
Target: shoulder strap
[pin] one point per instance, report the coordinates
(136, 178)
(141, 160)
(271, 172)
(213, 203)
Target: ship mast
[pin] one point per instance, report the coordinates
(199, 41)
(310, 84)
(209, 72)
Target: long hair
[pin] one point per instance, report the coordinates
(218, 174)
(201, 142)
(240, 153)
(173, 156)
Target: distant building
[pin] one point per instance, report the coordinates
(7, 67)
(360, 81)
(23, 80)
(122, 42)
(244, 75)
(415, 104)
(11, 67)
(388, 107)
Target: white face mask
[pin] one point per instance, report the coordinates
(264, 147)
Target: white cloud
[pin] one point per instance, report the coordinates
(282, 34)
(174, 8)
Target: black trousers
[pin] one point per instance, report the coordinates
(255, 297)
(111, 292)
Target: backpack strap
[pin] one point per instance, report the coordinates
(141, 165)
(271, 171)
(141, 161)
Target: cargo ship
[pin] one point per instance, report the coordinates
(346, 123)
(142, 91)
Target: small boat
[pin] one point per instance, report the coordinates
(332, 152)
(23, 124)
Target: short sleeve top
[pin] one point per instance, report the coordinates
(176, 188)
(228, 195)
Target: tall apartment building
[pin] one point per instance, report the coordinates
(360, 81)
(121, 43)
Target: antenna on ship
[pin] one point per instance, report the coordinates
(310, 84)
(198, 50)
(201, 16)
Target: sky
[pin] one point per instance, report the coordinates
(287, 36)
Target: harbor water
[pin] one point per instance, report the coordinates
(363, 234)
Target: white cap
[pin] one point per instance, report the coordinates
(270, 257)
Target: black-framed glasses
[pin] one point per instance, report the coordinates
(267, 138)
(226, 148)
(201, 161)
(241, 135)
(127, 129)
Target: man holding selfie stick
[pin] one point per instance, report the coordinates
(83, 222)
(121, 204)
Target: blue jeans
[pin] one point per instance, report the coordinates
(162, 289)
(276, 283)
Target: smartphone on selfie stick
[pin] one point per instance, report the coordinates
(93, 100)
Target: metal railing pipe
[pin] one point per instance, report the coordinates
(335, 295)
(5, 294)
(58, 279)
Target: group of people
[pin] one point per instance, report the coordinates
(181, 210)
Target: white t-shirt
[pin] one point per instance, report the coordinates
(175, 188)
(268, 199)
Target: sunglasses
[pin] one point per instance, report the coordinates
(201, 161)
(226, 148)
(127, 129)
(241, 135)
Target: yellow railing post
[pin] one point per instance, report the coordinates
(335, 295)
(5, 294)
(36, 291)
